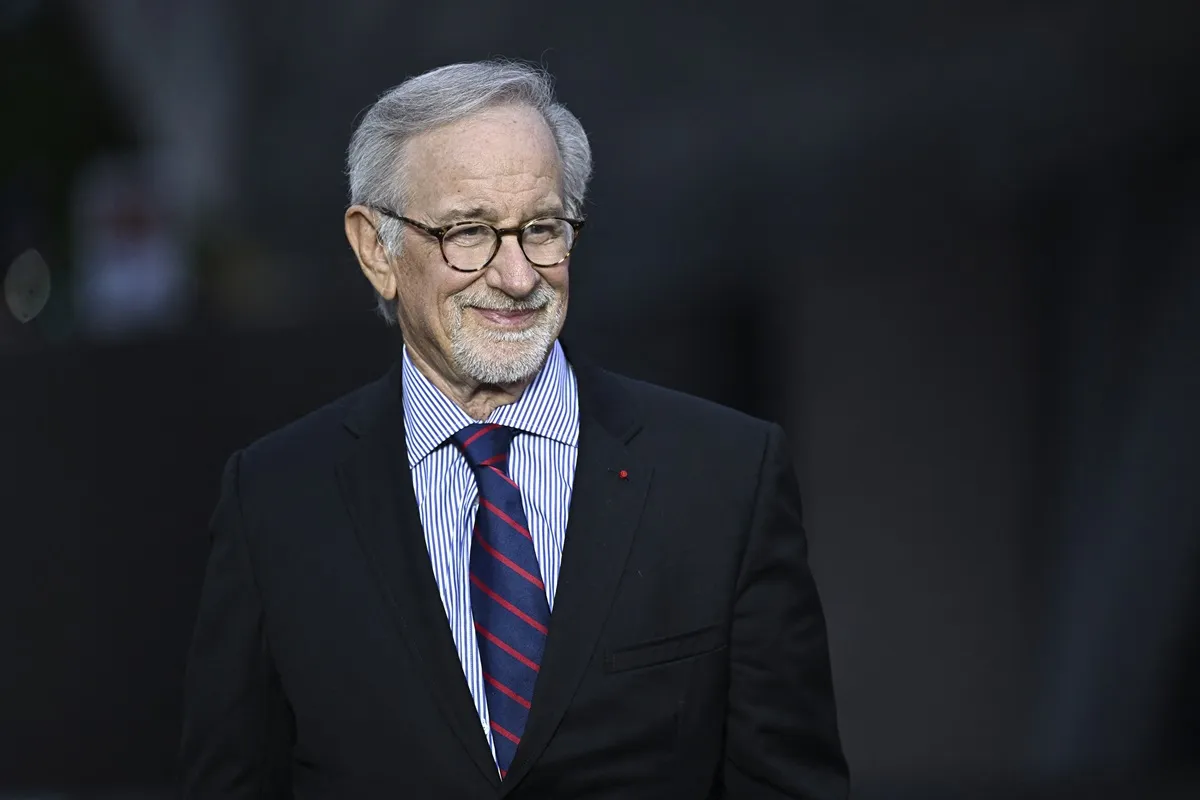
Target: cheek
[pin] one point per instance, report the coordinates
(558, 278)
(420, 305)
(427, 295)
(561, 282)
(444, 298)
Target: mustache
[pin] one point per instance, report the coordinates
(538, 299)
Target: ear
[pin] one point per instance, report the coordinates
(364, 240)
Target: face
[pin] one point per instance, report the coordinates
(494, 326)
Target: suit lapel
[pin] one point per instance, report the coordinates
(604, 513)
(377, 487)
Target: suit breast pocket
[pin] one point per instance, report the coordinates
(666, 649)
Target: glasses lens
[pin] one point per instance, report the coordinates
(469, 246)
(547, 241)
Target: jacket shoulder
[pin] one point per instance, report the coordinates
(318, 435)
(661, 406)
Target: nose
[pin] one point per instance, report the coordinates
(510, 271)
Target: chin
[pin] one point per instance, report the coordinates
(505, 358)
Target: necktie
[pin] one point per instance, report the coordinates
(508, 598)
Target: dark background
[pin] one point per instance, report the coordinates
(953, 247)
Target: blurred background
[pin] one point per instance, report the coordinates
(954, 248)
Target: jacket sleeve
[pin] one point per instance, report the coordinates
(782, 737)
(237, 728)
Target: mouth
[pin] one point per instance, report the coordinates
(506, 319)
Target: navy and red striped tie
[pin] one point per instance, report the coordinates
(508, 598)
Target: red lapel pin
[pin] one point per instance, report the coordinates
(623, 475)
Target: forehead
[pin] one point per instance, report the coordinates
(501, 155)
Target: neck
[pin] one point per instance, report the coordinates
(480, 402)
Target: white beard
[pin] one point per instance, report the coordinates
(505, 357)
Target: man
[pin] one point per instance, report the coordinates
(500, 571)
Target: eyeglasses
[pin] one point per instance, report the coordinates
(471, 246)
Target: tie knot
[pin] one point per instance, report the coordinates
(485, 444)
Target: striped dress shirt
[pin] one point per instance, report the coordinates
(541, 461)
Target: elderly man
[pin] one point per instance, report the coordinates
(500, 570)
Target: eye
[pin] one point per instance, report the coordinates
(469, 234)
(544, 230)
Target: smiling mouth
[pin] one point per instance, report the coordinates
(506, 319)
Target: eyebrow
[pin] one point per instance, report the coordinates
(460, 213)
(486, 214)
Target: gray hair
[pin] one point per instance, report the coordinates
(375, 159)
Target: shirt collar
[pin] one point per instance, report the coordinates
(548, 407)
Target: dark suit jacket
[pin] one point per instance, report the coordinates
(687, 653)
